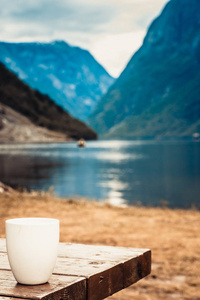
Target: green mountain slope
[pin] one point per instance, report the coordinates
(158, 93)
(39, 108)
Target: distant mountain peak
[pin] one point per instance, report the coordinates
(68, 74)
(158, 92)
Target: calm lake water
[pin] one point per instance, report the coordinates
(123, 172)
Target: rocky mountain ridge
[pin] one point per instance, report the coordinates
(26, 115)
(16, 128)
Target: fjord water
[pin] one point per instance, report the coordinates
(123, 172)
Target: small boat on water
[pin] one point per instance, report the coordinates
(81, 143)
(196, 137)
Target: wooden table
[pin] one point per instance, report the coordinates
(81, 272)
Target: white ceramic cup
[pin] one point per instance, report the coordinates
(32, 245)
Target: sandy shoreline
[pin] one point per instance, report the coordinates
(172, 235)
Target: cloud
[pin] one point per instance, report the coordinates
(93, 16)
(92, 24)
(64, 15)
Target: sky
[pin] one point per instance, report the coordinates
(112, 30)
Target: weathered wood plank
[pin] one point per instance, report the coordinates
(58, 287)
(107, 269)
(84, 267)
(136, 269)
(71, 266)
(107, 276)
(2, 245)
(92, 252)
(104, 284)
(10, 298)
(81, 267)
(6, 275)
(82, 251)
(4, 264)
(103, 276)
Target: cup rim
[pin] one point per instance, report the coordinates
(32, 221)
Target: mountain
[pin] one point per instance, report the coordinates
(16, 128)
(158, 93)
(68, 75)
(39, 109)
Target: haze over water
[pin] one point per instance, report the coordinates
(123, 172)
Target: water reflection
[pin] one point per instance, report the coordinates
(123, 172)
(25, 170)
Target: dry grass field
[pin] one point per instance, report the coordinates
(172, 235)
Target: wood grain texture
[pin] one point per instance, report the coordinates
(81, 272)
(2, 245)
(10, 298)
(58, 287)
